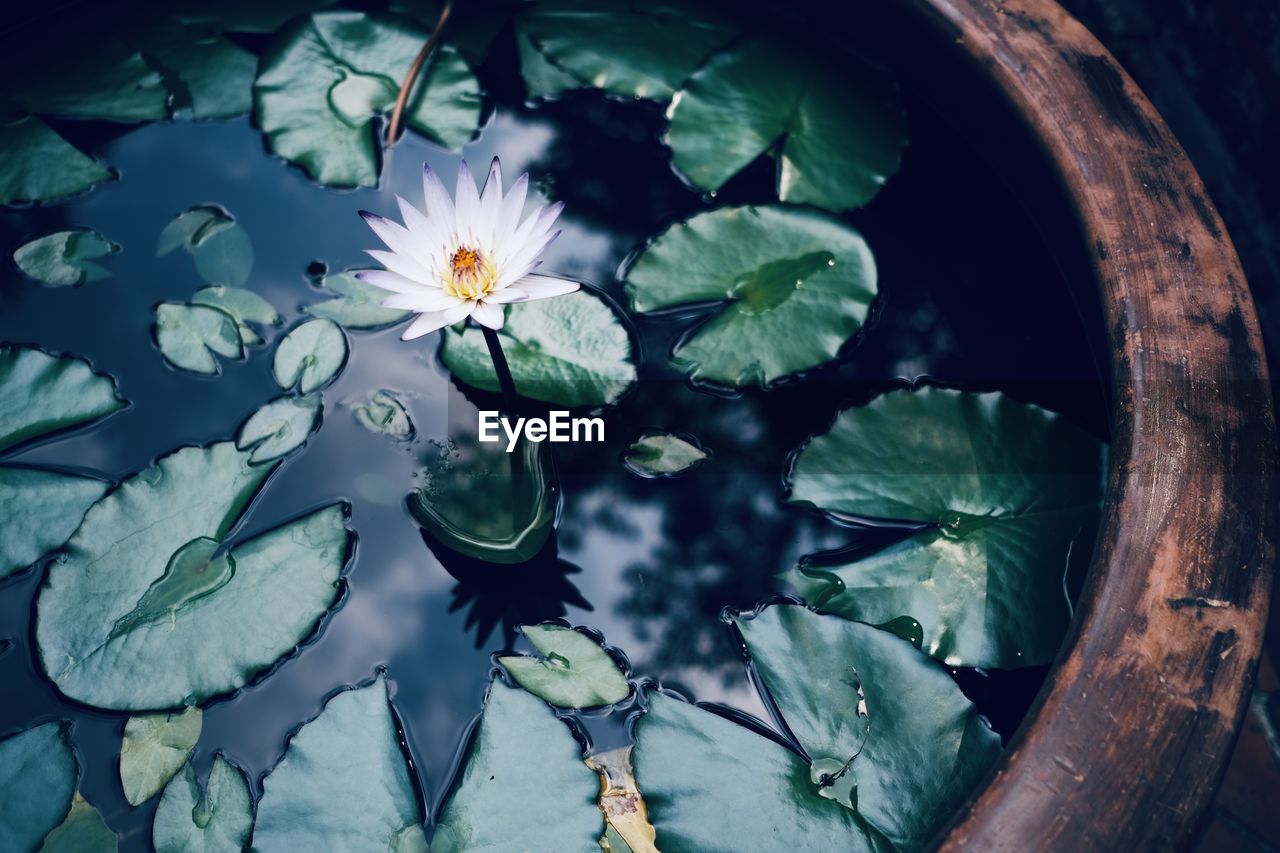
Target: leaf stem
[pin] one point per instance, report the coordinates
(501, 367)
(393, 130)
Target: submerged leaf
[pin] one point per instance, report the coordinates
(343, 783)
(39, 165)
(65, 258)
(524, 784)
(83, 831)
(385, 414)
(244, 306)
(189, 335)
(216, 820)
(1008, 495)
(153, 749)
(310, 356)
(42, 393)
(280, 426)
(359, 304)
(40, 510)
(572, 350)
(663, 455)
(574, 672)
(37, 782)
(796, 285)
(628, 830)
(221, 249)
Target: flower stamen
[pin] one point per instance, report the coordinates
(470, 274)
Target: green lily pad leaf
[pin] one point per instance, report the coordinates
(385, 414)
(1010, 495)
(221, 249)
(471, 28)
(216, 820)
(280, 426)
(41, 509)
(207, 73)
(343, 784)
(310, 356)
(243, 16)
(323, 78)
(359, 304)
(663, 455)
(244, 306)
(541, 78)
(574, 672)
(65, 257)
(836, 122)
(524, 783)
(572, 350)
(628, 49)
(486, 503)
(154, 748)
(83, 831)
(96, 78)
(149, 611)
(37, 782)
(39, 165)
(42, 393)
(189, 335)
(921, 746)
(796, 286)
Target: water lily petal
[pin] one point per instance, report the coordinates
(406, 267)
(522, 262)
(427, 323)
(429, 236)
(467, 201)
(490, 204)
(487, 314)
(543, 286)
(422, 301)
(505, 295)
(512, 207)
(439, 205)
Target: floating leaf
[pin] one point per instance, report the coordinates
(154, 748)
(385, 414)
(472, 27)
(310, 356)
(1009, 495)
(836, 122)
(280, 426)
(40, 510)
(189, 335)
(663, 455)
(37, 781)
(572, 350)
(147, 611)
(244, 306)
(628, 830)
(39, 165)
(244, 16)
(323, 78)
(628, 49)
(524, 784)
(83, 831)
(359, 305)
(216, 820)
(343, 784)
(65, 257)
(42, 393)
(541, 78)
(796, 285)
(221, 249)
(92, 78)
(574, 672)
(209, 74)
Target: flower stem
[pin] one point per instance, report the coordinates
(501, 367)
(406, 87)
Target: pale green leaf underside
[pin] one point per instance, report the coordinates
(310, 356)
(247, 308)
(280, 427)
(153, 748)
(215, 820)
(65, 258)
(573, 672)
(190, 335)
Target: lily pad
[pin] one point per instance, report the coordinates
(244, 16)
(323, 78)
(343, 784)
(663, 455)
(1009, 495)
(221, 249)
(39, 165)
(574, 671)
(190, 335)
(244, 306)
(310, 356)
(836, 122)
(280, 427)
(524, 784)
(572, 350)
(154, 748)
(383, 413)
(796, 285)
(96, 78)
(37, 781)
(150, 611)
(628, 49)
(209, 74)
(83, 831)
(42, 394)
(65, 258)
(359, 304)
(41, 509)
(216, 820)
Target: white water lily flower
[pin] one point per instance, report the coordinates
(466, 257)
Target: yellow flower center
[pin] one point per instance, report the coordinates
(470, 274)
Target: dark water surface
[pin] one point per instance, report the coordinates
(969, 296)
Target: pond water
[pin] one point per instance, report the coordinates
(969, 296)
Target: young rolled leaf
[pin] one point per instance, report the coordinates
(572, 350)
(795, 286)
(384, 414)
(359, 304)
(42, 394)
(215, 820)
(82, 831)
(190, 335)
(65, 258)
(836, 122)
(153, 748)
(221, 249)
(662, 455)
(310, 356)
(244, 306)
(37, 781)
(343, 784)
(524, 784)
(40, 510)
(39, 165)
(280, 427)
(1009, 495)
(573, 672)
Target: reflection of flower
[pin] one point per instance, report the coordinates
(466, 257)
